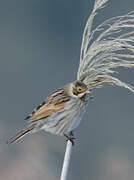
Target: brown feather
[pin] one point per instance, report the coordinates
(54, 103)
(20, 134)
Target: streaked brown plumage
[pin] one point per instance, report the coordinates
(60, 113)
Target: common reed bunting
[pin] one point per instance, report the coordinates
(103, 49)
(60, 113)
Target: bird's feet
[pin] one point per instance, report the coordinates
(70, 137)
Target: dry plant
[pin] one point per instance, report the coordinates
(103, 49)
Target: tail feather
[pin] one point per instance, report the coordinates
(20, 134)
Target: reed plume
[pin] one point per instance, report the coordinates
(106, 47)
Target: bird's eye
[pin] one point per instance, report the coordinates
(79, 89)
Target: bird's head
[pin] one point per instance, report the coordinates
(79, 89)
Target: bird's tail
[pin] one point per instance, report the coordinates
(21, 134)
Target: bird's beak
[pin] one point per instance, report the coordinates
(81, 95)
(87, 92)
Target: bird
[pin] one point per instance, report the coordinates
(103, 49)
(60, 113)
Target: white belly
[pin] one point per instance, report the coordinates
(66, 119)
(77, 120)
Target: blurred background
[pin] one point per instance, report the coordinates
(39, 52)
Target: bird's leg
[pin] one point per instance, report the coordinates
(70, 137)
(71, 134)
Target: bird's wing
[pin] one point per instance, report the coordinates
(53, 104)
(106, 47)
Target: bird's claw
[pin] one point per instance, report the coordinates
(70, 138)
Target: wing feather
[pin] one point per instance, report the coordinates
(54, 103)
